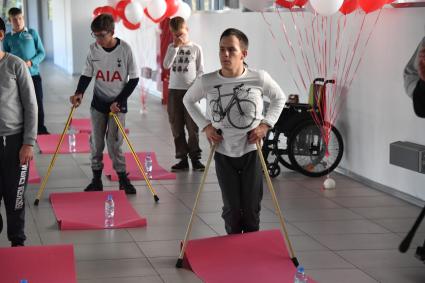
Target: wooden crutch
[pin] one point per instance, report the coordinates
(136, 158)
(179, 263)
(52, 162)
(276, 205)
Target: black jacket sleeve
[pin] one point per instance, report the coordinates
(419, 99)
(83, 83)
(127, 90)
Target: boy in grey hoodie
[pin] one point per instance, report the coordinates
(18, 131)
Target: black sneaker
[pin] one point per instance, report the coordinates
(94, 186)
(126, 185)
(17, 244)
(183, 165)
(197, 165)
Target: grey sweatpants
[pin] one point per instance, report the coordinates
(103, 125)
(241, 184)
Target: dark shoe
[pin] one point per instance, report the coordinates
(43, 131)
(17, 244)
(95, 185)
(96, 182)
(197, 165)
(183, 165)
(125, 184)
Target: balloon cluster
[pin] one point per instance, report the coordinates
(132, 11)
(322, 7)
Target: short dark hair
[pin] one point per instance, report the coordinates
(103, 22)
(176, 23)
(243, 39)
(14, 11)
(2, 25)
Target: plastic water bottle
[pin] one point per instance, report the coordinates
(72, 140)
(300, 276)
(148, 165)
(109, 212)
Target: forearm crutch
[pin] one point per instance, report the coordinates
(404, 246)
(117, 121)
(276, 205)
(179, 263)
(52, 162)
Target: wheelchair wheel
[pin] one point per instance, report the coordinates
(273, 169)
(307, 150)
(275, 149)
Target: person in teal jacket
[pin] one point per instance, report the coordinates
(26, 44)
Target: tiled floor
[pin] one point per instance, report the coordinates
(347, 235)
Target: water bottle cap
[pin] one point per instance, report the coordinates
(300, 269)
(109, 197)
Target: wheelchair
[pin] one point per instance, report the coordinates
(296, 141)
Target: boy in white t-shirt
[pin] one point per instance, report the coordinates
(184, 59)
(235, 107)
(112, 63)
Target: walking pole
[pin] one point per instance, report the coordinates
(276, 204)
(179, 263)
(117, 121)
(52, 162)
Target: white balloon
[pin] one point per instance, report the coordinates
(157, 8)
(183, 11)
(326, 7)
(144, 3)
(257, 5)
(329, 184)
(134, 12)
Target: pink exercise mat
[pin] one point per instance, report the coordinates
(84, 125)
(48, 143)
(38, 264)
(158, 172)
(33, 178)
(252, 257)
(86, 210)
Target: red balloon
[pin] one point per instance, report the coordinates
(286, 4)
(129, 25)
(300, 3)
(97, 11)
(349, 6)
(371, 5)
(106, 10)
(120, 11)
(172, 7)
(120, 8)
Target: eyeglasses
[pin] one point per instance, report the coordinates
(99, 35)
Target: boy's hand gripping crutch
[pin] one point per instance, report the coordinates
(52, 162)
(276, 205)
(117, 121)
(179, 263)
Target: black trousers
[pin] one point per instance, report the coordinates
(13, 181)
(38, 86)
(241, 184)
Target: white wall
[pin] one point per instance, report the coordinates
(71, 32)
(377, 111)
(62, 35)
